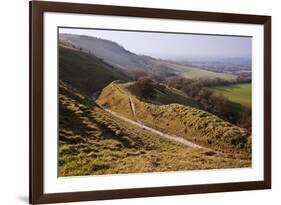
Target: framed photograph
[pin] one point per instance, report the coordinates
(139, 102)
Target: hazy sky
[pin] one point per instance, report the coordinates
(170, 45)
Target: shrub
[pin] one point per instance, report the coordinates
(144, 88)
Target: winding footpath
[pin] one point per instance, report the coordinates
(139, 124)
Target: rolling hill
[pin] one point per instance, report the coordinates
(188, 122)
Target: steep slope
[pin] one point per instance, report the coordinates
(108, 50)
(193, 124)
(85, 72)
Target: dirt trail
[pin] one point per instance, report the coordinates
(167, 136)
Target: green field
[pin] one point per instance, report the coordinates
(238, 93)
(195, 73)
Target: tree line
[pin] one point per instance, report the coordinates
(213, 103)
(241, 78)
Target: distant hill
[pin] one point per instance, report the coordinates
(220, 64)
(196, 73)
(135, 65)
(105, 49)
(109, 51)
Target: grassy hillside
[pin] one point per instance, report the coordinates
(193, 124)
(94, 142)
(110, 51)
(238, 93)
(195, 73)
(85, 72)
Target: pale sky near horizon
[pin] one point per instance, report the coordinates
(172, 45)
